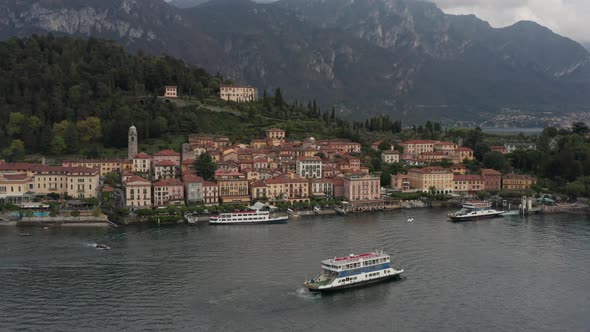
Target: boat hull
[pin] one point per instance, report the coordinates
(474, 218)
(281, 220)
(361, 284)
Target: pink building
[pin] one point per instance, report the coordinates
(171, 91)
(363, 192)
(168, 192)
(170, 155)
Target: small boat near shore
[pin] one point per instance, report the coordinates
(101, 246)
(353, 271)
(475, 211)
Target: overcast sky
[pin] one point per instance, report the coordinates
(570, 18)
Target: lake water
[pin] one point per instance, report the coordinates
(508, 274)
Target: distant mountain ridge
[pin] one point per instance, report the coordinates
(396, 57)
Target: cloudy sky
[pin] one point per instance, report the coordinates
(570, 18)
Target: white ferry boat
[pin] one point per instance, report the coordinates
(247, 217)
(475, 211)
(353, 271)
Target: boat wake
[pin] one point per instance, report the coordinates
(304, 293)
(89, 244)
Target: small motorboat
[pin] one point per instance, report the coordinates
(410, 219)
(25, 234)
(101, 246)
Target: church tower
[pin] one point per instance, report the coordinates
(132, 142)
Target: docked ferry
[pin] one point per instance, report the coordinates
(247, 217)
(353, 271)
(475, 211)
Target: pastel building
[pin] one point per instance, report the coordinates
(492, 179)
(210, 193)
(142, 163)
(435, 177)
(168, 192)
(138, 193)
(164, 169)
(171, 91)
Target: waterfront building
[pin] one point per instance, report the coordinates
(400, 182)
(390, 157)
(238, 93)
(321, 188)
(15, 185)
(168, 192)
(132, 143)
(286, 189)
(193, 186)
(309, 167)
(493, 179)
(434, 177)
(363, 192)
(210, 193)
(233, 188)
(164, 169)
(468, 184)
(142, 163)
(138, 193)
(338, 187)
(259, 191)
(517, 182)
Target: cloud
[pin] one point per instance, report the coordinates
(566, 17)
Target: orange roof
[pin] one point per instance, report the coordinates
(108, 189)
(188, 161)
(168, 183)
(165, 163)
(463, 148)
(167, 153)
(142, 156)
(431, 169)
(418, 141)
(489, 171)
(136, 178)
(209, 184)
(191, 178)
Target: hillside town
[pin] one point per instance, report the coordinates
(271, 169)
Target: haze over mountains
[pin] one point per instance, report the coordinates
(397, 57)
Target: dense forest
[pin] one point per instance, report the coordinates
(65, 95)
(58, 93)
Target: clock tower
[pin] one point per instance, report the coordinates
(132, 142)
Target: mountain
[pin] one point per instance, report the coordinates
(396, 57)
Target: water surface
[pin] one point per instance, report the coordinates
(507, 274)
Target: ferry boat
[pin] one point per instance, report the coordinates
(353, 271)
(475, 211)
(247, 217)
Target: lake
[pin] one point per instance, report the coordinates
(506, 274)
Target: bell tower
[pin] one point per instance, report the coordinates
(132, 142)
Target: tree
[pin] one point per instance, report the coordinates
(15, 151)
(579, 128)
(90, 129)
(71, 139)
(15, 124)
(58, 146)
(495, 160)
(205, 167)
(384, 146)
(279, 98)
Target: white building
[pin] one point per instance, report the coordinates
(390, 157)
(309, 167)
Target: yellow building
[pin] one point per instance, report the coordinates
(441, 179)
(517, 182)
(15, 185)
(104, 166)
(285, 189)
(238, 93)
(233, 188)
